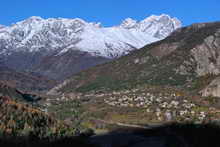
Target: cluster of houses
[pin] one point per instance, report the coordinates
(163, 106)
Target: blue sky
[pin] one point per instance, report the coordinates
(110, 12)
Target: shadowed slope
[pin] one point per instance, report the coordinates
(173, 135)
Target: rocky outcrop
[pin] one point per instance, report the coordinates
(206, 55)
(213, 89)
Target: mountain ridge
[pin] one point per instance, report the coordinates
(31, 31)
(58, 48)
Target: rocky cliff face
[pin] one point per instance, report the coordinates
(206, 55)
(213, 89)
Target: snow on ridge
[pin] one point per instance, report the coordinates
(55, 33)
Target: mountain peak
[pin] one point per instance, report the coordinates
(32, 19)
(35, 18)
(158, 26)
(163, 18)
(129, 23)
(177, 23)
(157, 17)
(79, 20)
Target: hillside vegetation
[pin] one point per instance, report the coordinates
(20, 120)
(180, 60)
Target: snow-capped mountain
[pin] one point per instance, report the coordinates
(61, 35)
(158, 27)
(60, 47)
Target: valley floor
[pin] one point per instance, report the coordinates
(136, 107)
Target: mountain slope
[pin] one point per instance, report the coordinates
(65, 65)
(25, 81)
(183, 59)
(7, 91)
(33, 44)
